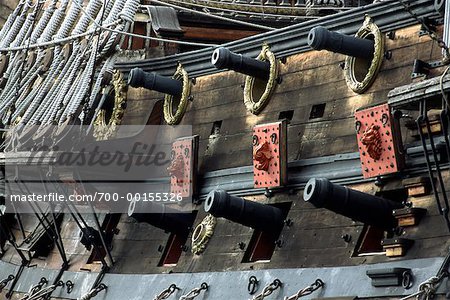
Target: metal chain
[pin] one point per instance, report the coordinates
(94, 292)
(432, 34)
(34, 289)
(5, 282)
(46, 292)
(307, 290)
(428, 288)
(268, 290)
(167, 292)
(195, 292)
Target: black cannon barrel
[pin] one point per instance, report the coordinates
(153, 81)
(320, 38)
(162, 216)
(222, 58)
(248, 213)
(357, 205)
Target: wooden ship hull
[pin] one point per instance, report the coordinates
(326, 240)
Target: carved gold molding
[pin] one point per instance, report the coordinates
(102, 129)
(202, 233)
(368, 28)
(255, 107)
(169, 100)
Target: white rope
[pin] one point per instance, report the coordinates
(43, 21)
(207, 7)
(427, 288)
(41, 105)
(58, 41)
(71, 38)
(412, 295)
(152, 38)
(15, 28)
(11, 19)
(260, 4)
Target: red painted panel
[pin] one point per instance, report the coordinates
(270, 155)
(183, 169)
(379, 141)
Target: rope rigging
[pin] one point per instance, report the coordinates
(207, 6)
(40, 294)
(167, 292)
(5, 282)
(428, 288)
(307, 290)
(430, 32)
(194, 293)
(93, 292)
(268, 290)
(71, 84)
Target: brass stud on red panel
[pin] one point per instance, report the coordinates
(270, 155)
(183, 168)
(379, 141)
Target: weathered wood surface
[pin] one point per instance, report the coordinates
(308, 79)
(315, 237)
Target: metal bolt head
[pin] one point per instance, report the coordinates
(241, 245)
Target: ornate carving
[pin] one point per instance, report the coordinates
(255, 107)
(169, 100)
(368, 29)
(262, 155)
(103, 130)
(372, 140)
(202, 233)
(176, 168)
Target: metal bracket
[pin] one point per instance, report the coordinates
(422, 68)
(391, 277)
(430, 23)
(252, 285)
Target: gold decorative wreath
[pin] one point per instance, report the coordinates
(103, 130)
(255, 107)
(368, 28)
(169, 116)
(202, 233)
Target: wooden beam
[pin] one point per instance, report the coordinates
(216, 34)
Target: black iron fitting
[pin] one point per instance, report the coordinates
(152, 81)
(90, 237)
(259, 216)
(320, 38)
(222, 58)
(354, 204)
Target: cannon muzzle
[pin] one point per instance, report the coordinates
(356, 205)
(223, 58)
(161, 216)
(153, 81)
(248, 213)
(320, 38)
